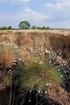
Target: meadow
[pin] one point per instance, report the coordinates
(35, 64)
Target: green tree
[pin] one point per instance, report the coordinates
(3, 28)
(9, 28)
(39, 28)
(24, 25)
(47, 28)
(33, 27)
(43, 28)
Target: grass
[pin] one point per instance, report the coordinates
(8, 54)
(37, 74)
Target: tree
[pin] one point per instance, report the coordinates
(47, 28)
(33, 27)
(9, 28)
(43, 28)
(24, 25)
(3, 28)
(39, 28)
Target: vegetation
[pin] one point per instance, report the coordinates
(6, 28)
(37, 74)
(8, 54)
(33, 71)
(24, 25)
(33, 27)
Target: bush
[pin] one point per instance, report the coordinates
(37, 74)
(33, 27)
(5, 28)
(24, 25)
(9, 28)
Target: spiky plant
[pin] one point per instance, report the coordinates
(37, 74)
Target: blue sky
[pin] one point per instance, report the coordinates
(53, 13)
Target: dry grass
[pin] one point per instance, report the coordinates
(32, 44)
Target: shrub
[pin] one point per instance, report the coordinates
(33, 27)
(24, 25)
(9, 28)
(37, 74)
(3, 28)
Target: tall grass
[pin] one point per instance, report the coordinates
(37, 74)
(8, 55)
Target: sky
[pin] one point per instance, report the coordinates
(52, 13)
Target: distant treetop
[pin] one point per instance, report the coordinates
(24, 25)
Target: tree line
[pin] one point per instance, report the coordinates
(24, 25)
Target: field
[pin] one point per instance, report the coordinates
(35, 60)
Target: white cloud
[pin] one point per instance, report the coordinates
(58, 5)
(34, 16)
(52, 5)
(14, 1)
(19, 1)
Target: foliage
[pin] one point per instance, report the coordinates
(43, 28)
(38, 27)
(24, 25)
(47, 27)
(9, 28)
(33, 27)
(37, 74)
(5, 28)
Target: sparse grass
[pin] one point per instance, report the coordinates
(7, 80)
(8, 54)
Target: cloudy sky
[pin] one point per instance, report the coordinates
(53, 13)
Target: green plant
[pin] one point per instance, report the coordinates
(9, 28)
(24, 25)
(37, 74)
(3, 28)
(33, 27)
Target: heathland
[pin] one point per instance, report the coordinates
(39, 60)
